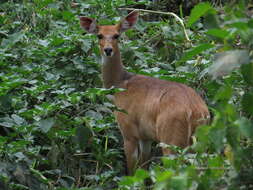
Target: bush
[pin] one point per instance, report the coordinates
(56, 125)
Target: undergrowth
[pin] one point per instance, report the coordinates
(56, 124)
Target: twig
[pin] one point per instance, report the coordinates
(109, 166)
(97, 165)
(153, 37)
(82, 154)
(164, 13)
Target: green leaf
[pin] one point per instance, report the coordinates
(169, 163)
(216, 162)
(19, 155)
(239, 25)
(93, 114)
(179, 182)
(247, 72)
(219, 33)
(203, 142)
(12, 39)
(46, 124)
(247, 102)
(7, 122)
(43, 42)
(216, 135)
(86, 44)
(198, 11)
(83, 136)
(245, 126)
(195, 51)
(224, 93)
(164, 176)
(250, 23)
(233, 134)
(141, 174)
(210, 21)
(5, 102)
(68, 16)
(127, 180)
(17, 119)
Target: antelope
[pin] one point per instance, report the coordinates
(154, 110)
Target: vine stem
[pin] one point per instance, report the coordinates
(164, 13)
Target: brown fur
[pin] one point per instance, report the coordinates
(156, 110)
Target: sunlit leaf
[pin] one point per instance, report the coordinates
(179, 182)
(164, 176)
(127, 180)
(46, 124)
(43, 42)
(141, 174)
(7, 122)
(224, 93)
(17, 119)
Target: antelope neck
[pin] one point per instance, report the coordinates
(113, 72)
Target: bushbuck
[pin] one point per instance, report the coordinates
(154, 109)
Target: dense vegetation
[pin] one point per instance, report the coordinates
(56, 124)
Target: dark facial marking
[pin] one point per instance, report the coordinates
(100, 36)
(116, 36)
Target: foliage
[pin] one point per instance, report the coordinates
(56, 124)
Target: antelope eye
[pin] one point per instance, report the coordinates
(116, 36)
(100, 36)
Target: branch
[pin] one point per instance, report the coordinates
(164, 13)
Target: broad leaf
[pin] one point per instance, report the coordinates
(219, 33)
(83, 136)
(46, 124)
(246, 127)
(12, 39)
(247, 102)
(195, 51)
(198, 11)
(247, 72)
(18, 120)
(141, 174)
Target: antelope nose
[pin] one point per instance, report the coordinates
(108, 51)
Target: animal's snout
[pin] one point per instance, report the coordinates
(108, 51)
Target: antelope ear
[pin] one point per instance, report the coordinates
(129, 21)
(88, 24)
